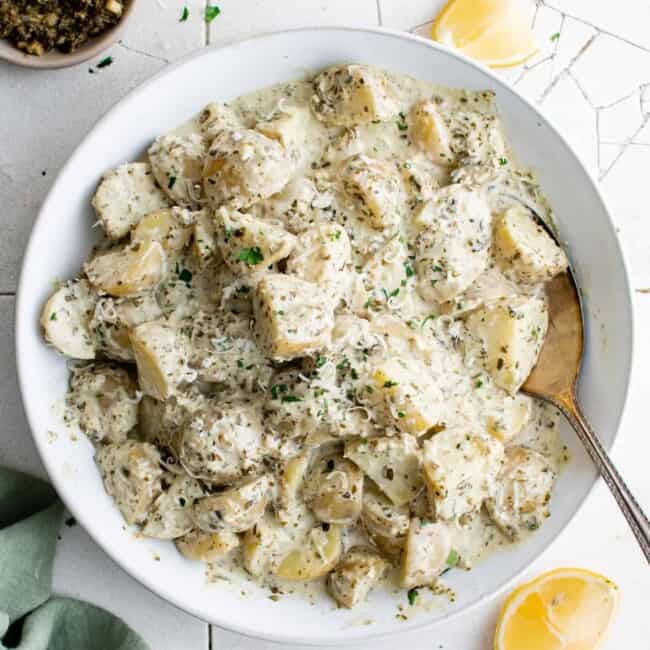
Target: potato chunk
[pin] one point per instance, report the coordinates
(113, 319)
(293, 317)
(204, 240)
(290, 483)
(221, 442)
(320, 255)
(359, 570)
(161, 356)
(507, 338)
(505, 416)
(177, 164)
(375, 186)
(165, 227)
(169, 516)
(523, 491)
(207, 547)
(385, 523)
(288, 127)
(413, 401)
(527, 247)
(425, 554)
(248, 244)
(452, 251)
(66, 317)
(216, 117)
(347, 95)
(243, 167)
(430, 133)
(460, 469)
(104, 398)
(237, 508)
(128, 271)
(316, 557)
(264, 546)
(124, 196)
(393, 463)
(131, 473)
(333, 489)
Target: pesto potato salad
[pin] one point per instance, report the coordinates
(299, 345)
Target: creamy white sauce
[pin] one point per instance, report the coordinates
(379, 289)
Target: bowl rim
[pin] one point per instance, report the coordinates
(55, 60)
(169, 596)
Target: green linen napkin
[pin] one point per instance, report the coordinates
(30, 618)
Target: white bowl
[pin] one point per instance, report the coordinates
(62, 237)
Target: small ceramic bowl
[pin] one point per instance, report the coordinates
(55, 59)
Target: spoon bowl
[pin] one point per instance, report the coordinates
(554, 379)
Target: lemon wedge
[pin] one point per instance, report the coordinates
(495, 32)
(564, 609)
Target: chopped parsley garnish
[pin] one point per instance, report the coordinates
(503, 161)
(452, 558)
(478, 383)
(291, 398)
(555, 37)
(53, 316)
(182, 502)
(401, 414)
(171, 182)
(185, 15)
(185, 276)
(389, 384)
(408, 269)
(251, 256)
(240, 363)
(320, 361)
(335, 235)
(243, 289)
(104, 63)
(412, 595)
(402, 126)
(276, 389)
(211, 12)
(354, 373)
(427, 319)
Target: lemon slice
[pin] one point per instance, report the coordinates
(495, 32)
(564, 609)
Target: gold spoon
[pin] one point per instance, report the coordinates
(554, 380)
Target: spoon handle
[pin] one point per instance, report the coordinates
(627, 503)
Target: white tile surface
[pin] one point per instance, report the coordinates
(599, 66)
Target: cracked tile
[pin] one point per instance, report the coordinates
(607, 155)
(611, 69)
(619, 122)
(645, 98)
(533, 81)
(242, 18)
(577, 125)
(155, 28)
(398, 14)
(643, 136)
(628, 20)
(547, 24)
(573, 37)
